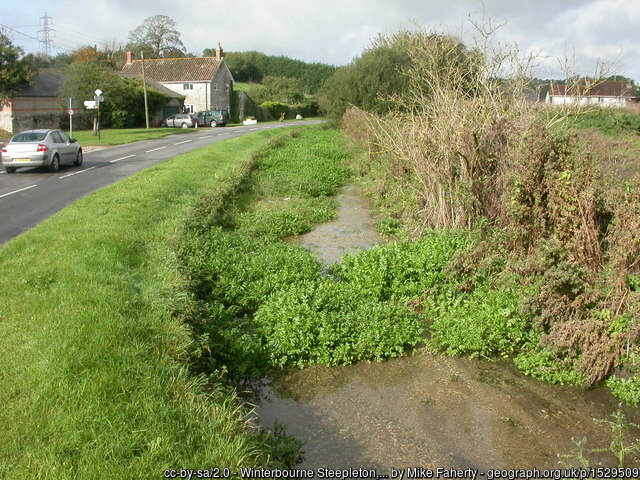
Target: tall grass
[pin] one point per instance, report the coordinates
(93, 377)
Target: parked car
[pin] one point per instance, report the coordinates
(215, 118)
(184, 120)
(41, 148)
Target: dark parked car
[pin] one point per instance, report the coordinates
(184, 120)
(215, 118)
(41, 148)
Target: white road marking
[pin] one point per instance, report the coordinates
(121, 158)
(75, 173)
(155, 149)
(17, 191)
(184, 141)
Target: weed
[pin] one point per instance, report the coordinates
(624, 447)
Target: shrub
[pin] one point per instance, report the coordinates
(482, 323)
(327, 322)
(276, 109)
(401, 270)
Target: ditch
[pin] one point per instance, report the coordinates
(427, 409)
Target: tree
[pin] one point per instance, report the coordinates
(157, 37)
(15, 69)
(368, 82)
(123, 104)
(278, 89)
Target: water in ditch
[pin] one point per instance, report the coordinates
(425, 410)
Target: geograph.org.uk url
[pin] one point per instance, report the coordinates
(563, 473)
(411, 473)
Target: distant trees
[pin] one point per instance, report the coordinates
(255, 66)
(158, 36)
(15, 69)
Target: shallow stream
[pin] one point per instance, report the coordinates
(425, 410)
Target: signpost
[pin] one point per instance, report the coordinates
(70, 117)
(98, 98)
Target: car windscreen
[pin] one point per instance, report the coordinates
(25, 137)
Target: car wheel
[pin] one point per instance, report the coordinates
(184, 125)
(213, 124)
(10, 169)
(78, 161)
(55, 164)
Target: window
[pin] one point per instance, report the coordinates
(188, 108)
(187, 86)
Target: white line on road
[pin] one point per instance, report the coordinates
(17, 191)
(75, 173)
(121, 158)
(154, 149)
(184, 141)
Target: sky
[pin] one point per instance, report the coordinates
(337, 31)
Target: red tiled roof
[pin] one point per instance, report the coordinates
(608, 88)
(176, 69)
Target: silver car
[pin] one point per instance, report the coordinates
(41, 148)
(184, 120)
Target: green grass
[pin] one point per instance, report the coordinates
(110, 137)
(243, 86)
(93, 377)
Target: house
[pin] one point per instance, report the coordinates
(608, 93)
(205, 82)
(36, 105)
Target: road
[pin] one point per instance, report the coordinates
(30, 195)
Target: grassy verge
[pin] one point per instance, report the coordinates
(93, 382)
(110, 137)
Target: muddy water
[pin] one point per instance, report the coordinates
(425, 410)
(353, 229)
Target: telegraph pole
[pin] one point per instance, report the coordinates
(144, 89)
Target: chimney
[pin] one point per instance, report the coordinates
(128, 57)
(219, 52)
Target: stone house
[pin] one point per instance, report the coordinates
(205, 82)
